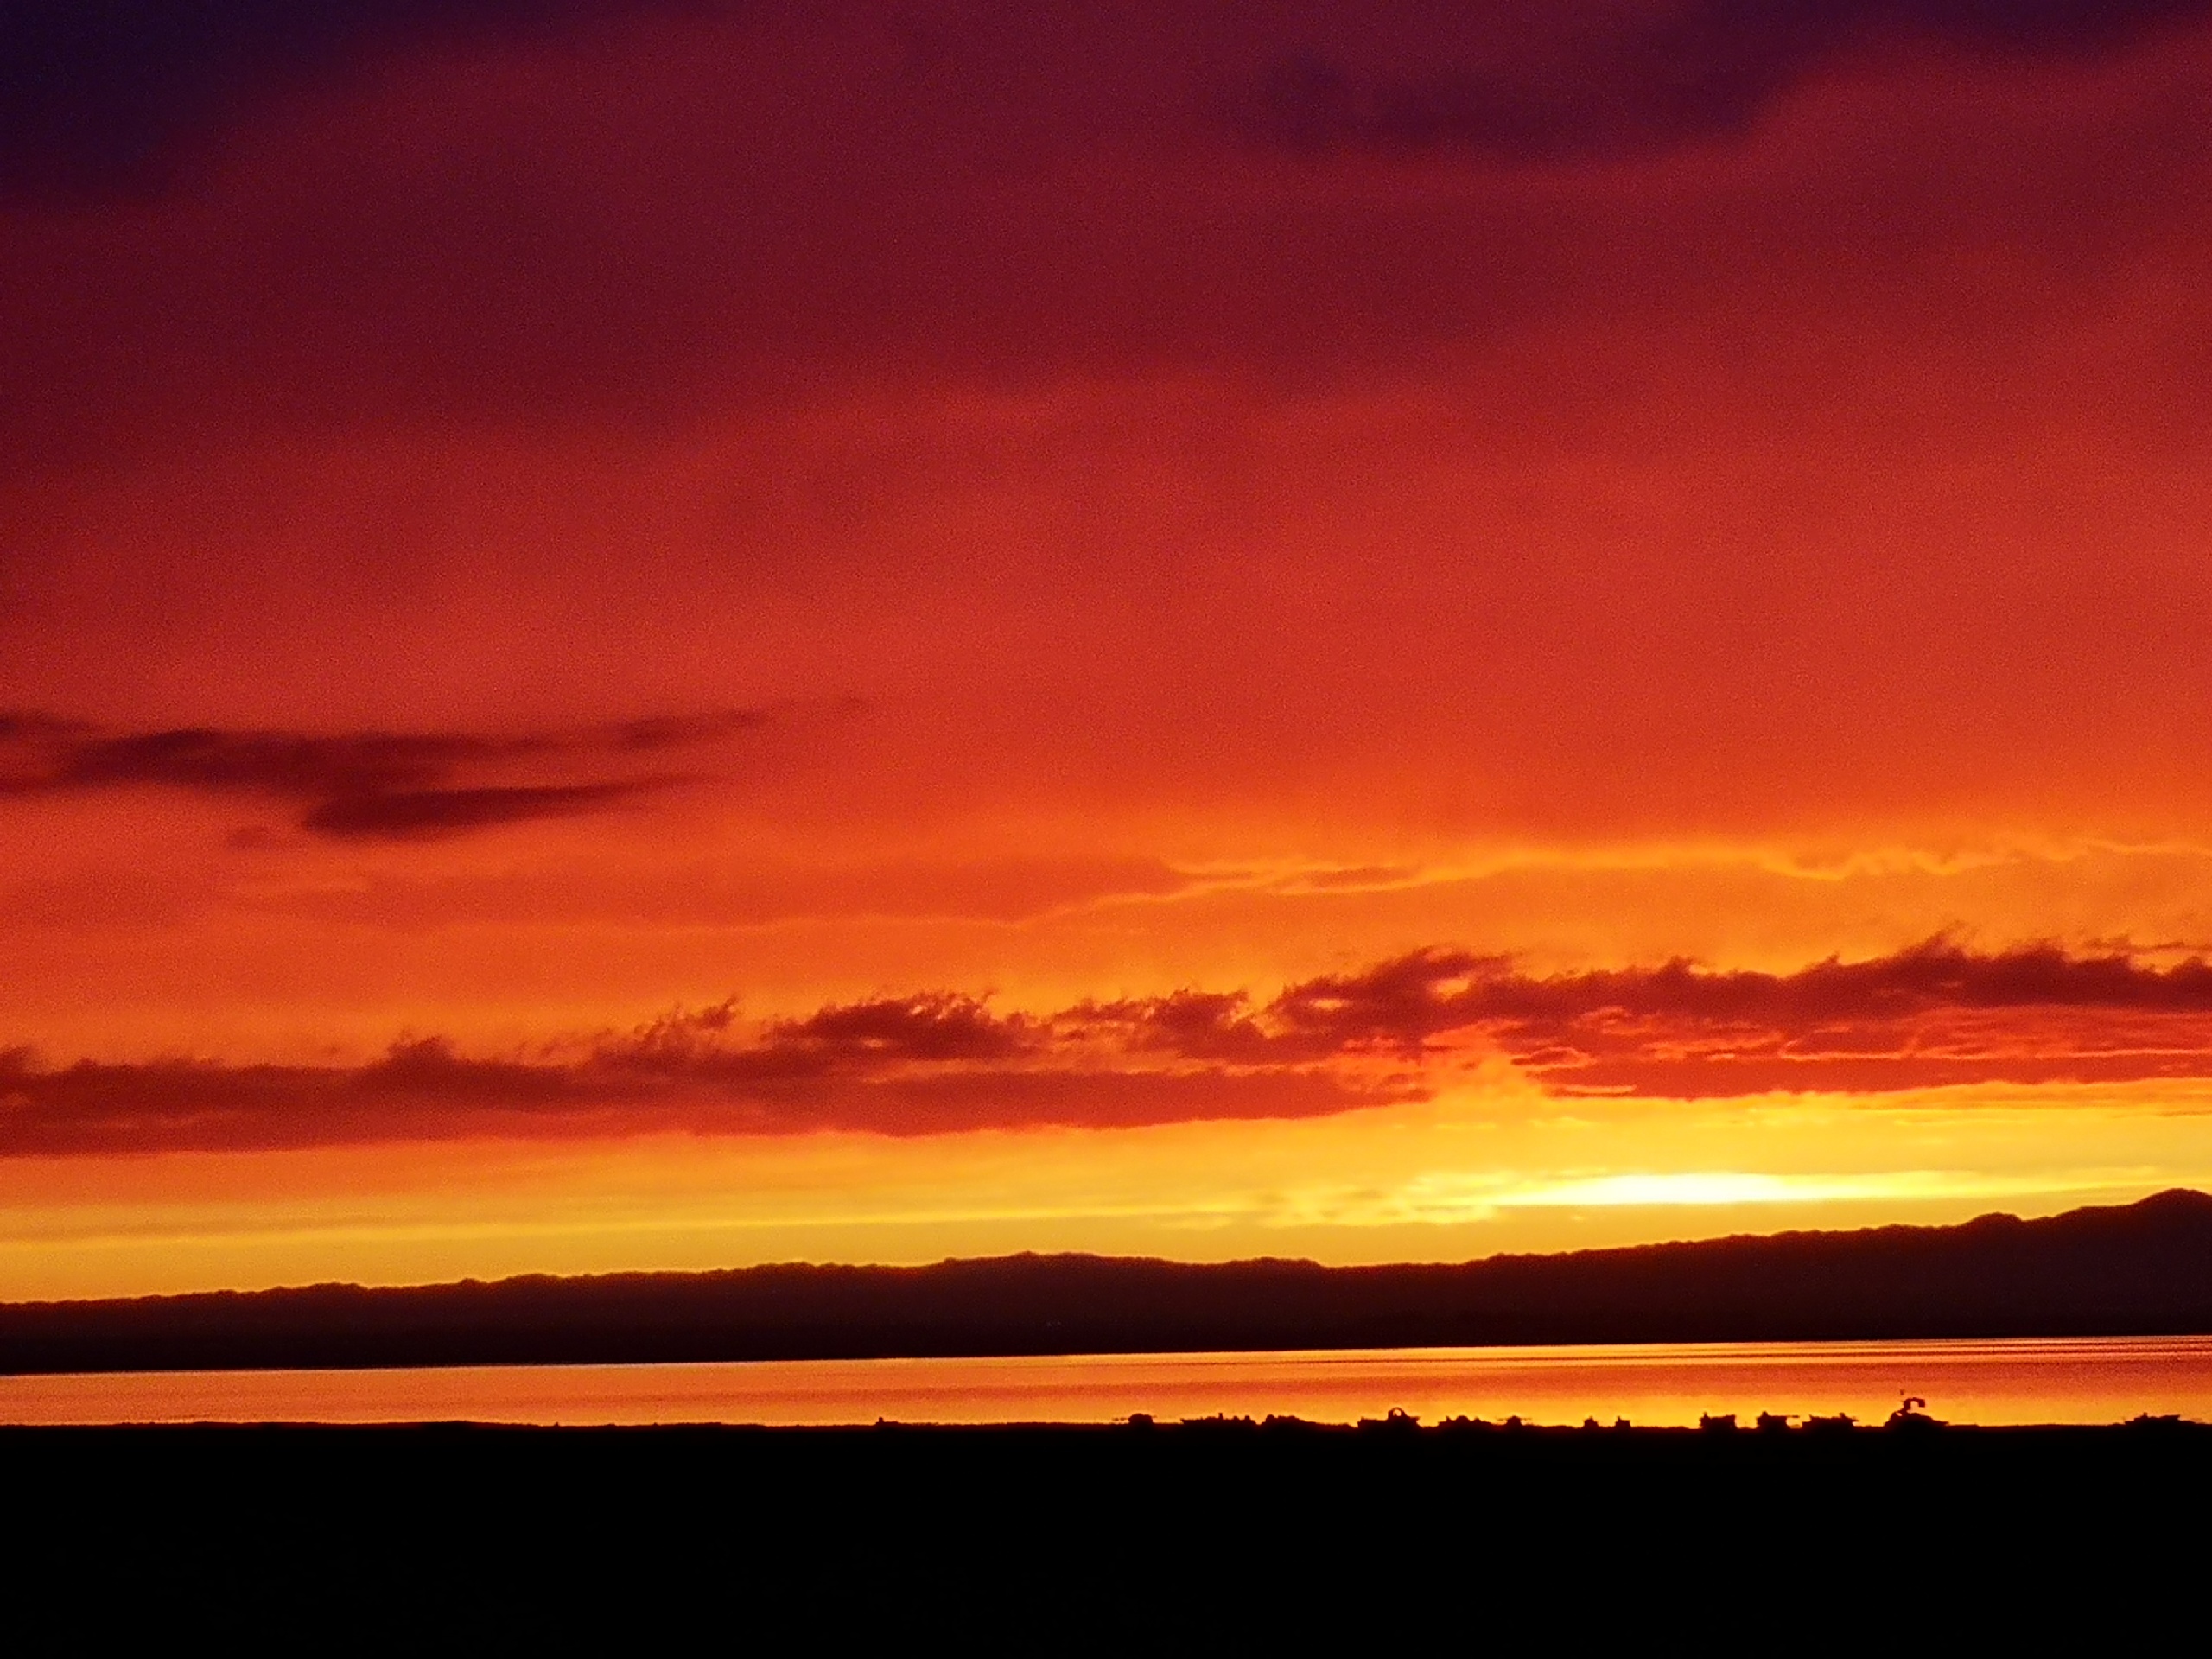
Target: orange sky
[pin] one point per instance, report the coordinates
(653, 635)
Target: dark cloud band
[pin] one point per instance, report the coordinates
(658, 222)
(103, 96)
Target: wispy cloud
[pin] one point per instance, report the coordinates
(367, 785)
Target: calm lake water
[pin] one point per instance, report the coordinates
(2033, 1380)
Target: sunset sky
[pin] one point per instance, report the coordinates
(651, 633)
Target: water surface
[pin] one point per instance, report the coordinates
(2027, 1381)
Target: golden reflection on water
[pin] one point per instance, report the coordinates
(2024, 1381)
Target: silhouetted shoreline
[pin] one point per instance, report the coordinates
(2140, 1269)
(1101, 1538)
(1716, 1436)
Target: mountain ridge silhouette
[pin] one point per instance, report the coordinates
(2138, 1269)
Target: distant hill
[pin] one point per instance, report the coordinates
(2142, 1268)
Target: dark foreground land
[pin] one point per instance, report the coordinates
(1180, 1537)
(2139, 1269)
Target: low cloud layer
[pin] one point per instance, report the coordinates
(943, 1062)
(919, 1065)
(365, 785)
(1934, 1014)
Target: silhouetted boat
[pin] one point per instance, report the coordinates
(1912, 1417)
